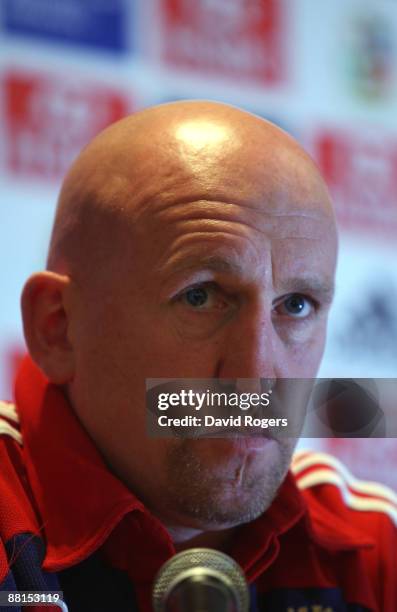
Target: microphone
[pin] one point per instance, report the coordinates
(200, 580)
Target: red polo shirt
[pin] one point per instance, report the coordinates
(331, 536)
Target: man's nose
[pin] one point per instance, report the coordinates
(249, 353)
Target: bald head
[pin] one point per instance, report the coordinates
(175, 152)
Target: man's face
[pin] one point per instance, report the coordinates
(206, 282)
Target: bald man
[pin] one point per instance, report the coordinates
(191, 240)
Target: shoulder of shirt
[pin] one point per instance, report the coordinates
(9, 422)
(11, 451)
(12, 485)
(325, 478)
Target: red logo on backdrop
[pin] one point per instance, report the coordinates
(361, 172)
(50, 119)
(235, 38)
(13, 358)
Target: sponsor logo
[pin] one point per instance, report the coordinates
(92, 23)
(371, 56)
(49, 120)
(243, 38)
(361, 171)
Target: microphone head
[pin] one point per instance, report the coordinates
(196, 564)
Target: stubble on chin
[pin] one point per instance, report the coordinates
(219, 496)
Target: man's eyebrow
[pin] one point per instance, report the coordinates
(313, 285)
(308, 284)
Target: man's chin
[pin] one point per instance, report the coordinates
(226, 507)
(217, 484)
(223, 504)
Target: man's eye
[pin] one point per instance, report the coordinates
(196, 296)
(296, 305)
(203, 297)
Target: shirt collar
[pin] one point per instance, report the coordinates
(81, 502)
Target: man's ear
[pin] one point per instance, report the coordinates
(46, 323)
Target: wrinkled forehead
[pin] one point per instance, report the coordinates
(212, 183)
(134, 182)
(200, 162)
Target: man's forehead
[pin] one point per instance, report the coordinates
(226, 237)
(178, 228)
(150, 173)
(228, 243)
(210, 156)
